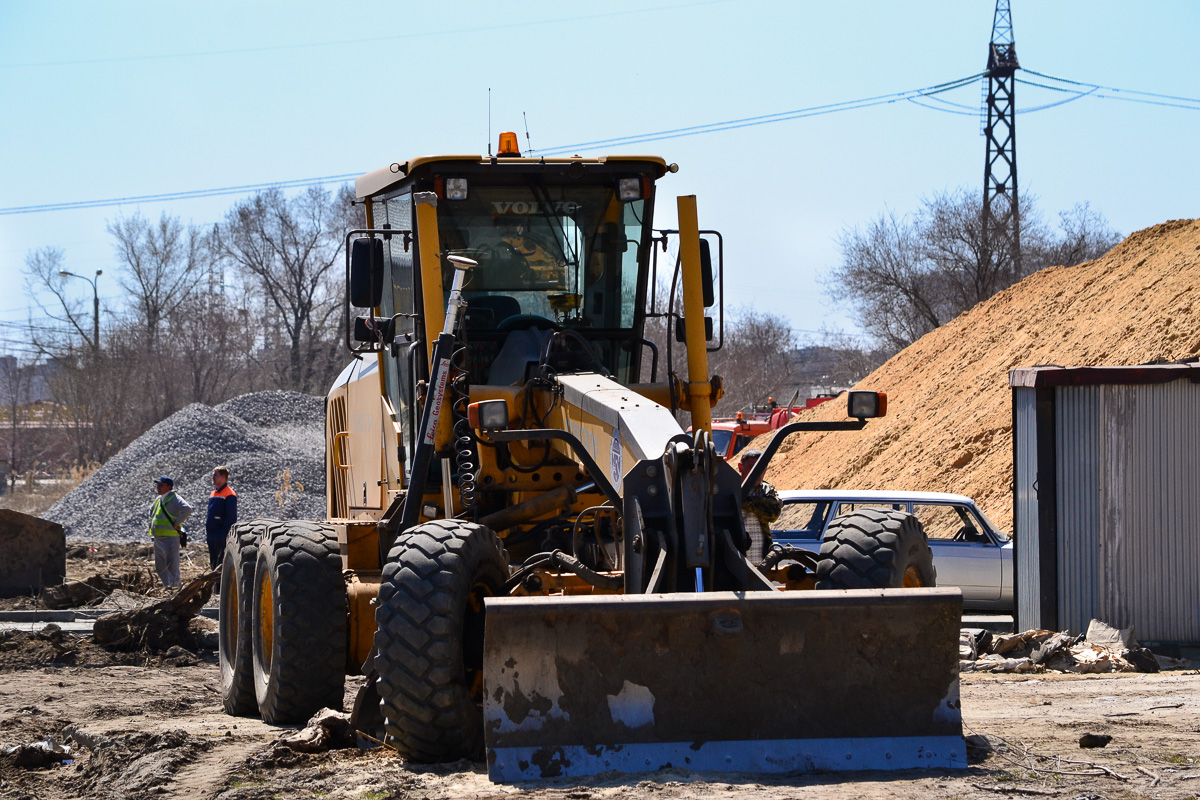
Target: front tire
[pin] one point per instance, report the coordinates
(299, 627)
(875, 549)
(429, 638)
(236, 649)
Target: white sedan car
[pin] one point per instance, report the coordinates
(968, 550)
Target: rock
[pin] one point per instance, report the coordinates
(1094, 740)
(978, 748)
(33, 554)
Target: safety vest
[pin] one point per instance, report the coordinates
(160, 525)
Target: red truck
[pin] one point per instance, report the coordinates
(731, 435)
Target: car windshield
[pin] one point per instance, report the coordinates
(720, 440)
(1001, 535)
(569, 253)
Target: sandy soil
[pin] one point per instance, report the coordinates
(166, 736)
(949, 421)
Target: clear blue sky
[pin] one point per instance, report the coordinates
(116, 99)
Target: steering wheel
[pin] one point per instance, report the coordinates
(503, 253)
(966, 533)
(520, 322)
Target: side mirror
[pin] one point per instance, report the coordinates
(681, 330)
(376, 330)
(706, 276)
(612, 240)
(366, 273)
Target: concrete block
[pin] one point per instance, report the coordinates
(33, 553)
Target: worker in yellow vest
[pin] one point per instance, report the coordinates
(167, 516)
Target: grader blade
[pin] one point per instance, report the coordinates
(757, 682)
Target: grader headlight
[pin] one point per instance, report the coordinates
(865, 405)
(456, 188)
(629, 189)
(488, 415)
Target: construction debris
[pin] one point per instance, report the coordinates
(160, 626)
(327, 730)
(37, 755)
(98, 587)
(1103, 649)
(273, 443)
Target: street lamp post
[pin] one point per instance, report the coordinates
(95, 303)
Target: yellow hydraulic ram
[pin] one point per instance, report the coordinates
(699, 386)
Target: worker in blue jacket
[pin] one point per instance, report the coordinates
(222, 514)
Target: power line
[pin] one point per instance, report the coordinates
(765, 119)
(1112, 88)
(636, 139)
(187, 195)
(369, 40)
(915, 96)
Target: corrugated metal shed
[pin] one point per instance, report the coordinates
(1106, 464)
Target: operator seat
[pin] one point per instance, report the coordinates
(523, 347)
(487, 311)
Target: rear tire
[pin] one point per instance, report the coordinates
(299, 628)
(236, 648)
(875, 549)
(429, 638)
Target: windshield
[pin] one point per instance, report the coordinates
(566, 253)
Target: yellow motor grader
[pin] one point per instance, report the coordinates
(527, 554)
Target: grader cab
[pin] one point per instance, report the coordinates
(527, 554)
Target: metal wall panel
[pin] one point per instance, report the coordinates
(1125, 509)
(1149, 508)
(1076, 440)
(1025, 508)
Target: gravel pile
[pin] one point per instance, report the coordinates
(272, 442)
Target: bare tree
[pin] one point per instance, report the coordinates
(884, 275)
(159, 265)
(212, 340)
(757, 360)
(287, 250)
(906, 276)
(1085, 236)
(15, 376)
(43, 272)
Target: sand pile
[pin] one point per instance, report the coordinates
(272, 442)
(949, 422)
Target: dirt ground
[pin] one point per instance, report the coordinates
(159, 731)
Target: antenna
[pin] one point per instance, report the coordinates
(528, 146)
(489, 122)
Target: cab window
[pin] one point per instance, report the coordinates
(948, 523)
(802, 520)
